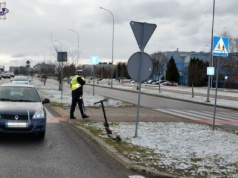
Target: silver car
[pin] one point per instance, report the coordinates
(21, 80)
(22, 110)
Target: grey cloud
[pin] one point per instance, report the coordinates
(18, 55)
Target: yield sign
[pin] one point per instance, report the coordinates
(142, 32)
(220, 46)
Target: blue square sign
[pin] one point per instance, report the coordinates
(210, 70)
(93, 59)
(220, 46)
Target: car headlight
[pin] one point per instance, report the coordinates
(39, 114)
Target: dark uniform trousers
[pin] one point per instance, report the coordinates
(77, 99)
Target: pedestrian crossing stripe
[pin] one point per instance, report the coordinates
(204, 117)
(220, 46)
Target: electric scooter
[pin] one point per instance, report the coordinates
(106, 125)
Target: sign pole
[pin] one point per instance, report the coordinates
(142, 32)
(138, 103)
(62, 80)
(215, 102)
(93, 78)
(220, 48)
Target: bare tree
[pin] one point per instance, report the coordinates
(233, 42)
(229, 64)
(159, 61)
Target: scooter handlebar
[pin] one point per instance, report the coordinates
(100, 101)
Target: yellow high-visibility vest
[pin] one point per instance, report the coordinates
(74, 83)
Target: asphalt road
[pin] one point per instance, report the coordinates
(203, 113)
(65, 152)
(149, 101)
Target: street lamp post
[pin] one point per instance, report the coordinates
(211, 57)
(78, 46)
(112, 40)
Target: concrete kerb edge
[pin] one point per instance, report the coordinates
(120, 157)
(110, 150)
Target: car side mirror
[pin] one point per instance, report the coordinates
(45, 101)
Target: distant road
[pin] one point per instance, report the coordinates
(195, 111)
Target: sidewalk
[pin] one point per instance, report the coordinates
(120, 114)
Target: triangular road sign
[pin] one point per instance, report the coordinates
(142, 32)
(220, 46)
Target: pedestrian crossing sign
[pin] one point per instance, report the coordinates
(220, 46)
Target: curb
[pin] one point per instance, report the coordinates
(120, 157)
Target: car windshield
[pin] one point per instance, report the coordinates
(19, 94)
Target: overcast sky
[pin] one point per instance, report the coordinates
(34, 29)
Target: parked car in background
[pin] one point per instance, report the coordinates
(132, 81)
(21, 80)
(6, 75)
(12, 74)
(3, 75)
(161, 82)
(169, 83)
(22, 110)
(152, 81)
(146, 82)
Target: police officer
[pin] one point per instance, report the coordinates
(76, 85)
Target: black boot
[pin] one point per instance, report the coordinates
(84, 116)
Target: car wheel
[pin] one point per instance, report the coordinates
(41, 135)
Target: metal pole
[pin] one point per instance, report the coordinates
(93, 78)
(62, 80)
(78, 46)
(211, 56)
(138, 104)
(112, 41)
(215, 102)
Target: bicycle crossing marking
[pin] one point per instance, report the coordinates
(204, 116)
